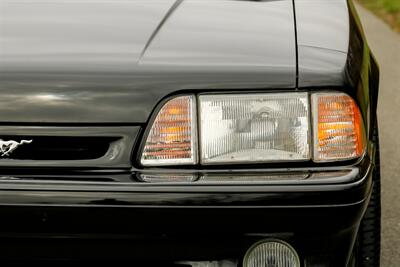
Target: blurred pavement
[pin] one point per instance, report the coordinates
(386, 46)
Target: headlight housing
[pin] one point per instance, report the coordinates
(254, 128)
(249, 128)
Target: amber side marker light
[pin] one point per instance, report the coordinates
(338, 128)
(172, 137)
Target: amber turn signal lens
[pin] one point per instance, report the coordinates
(172, 137)
(338, 128)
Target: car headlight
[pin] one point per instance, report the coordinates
(255, 128)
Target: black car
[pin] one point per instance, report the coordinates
(188, 133)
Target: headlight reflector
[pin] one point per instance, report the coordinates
(338, 128)
(173, 135)
(246, 128)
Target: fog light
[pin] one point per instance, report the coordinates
(271, 253)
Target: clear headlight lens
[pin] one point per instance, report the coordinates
(338, 128)
(173, 135)
(254, 128)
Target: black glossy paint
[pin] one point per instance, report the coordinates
(321, 235)
(101, 67)
(98, 62)
(334, 53)
(177, 222)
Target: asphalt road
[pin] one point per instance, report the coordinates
(386, 46)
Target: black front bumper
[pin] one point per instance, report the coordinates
(169, 223)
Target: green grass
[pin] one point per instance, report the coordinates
(389, 10)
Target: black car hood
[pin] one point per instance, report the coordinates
(106, 61)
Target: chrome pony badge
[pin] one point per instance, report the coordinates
(7, 147)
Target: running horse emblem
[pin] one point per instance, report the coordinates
(7, 147)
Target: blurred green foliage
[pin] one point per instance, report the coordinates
(389, 10)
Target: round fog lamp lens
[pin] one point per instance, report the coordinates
(271, 253)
